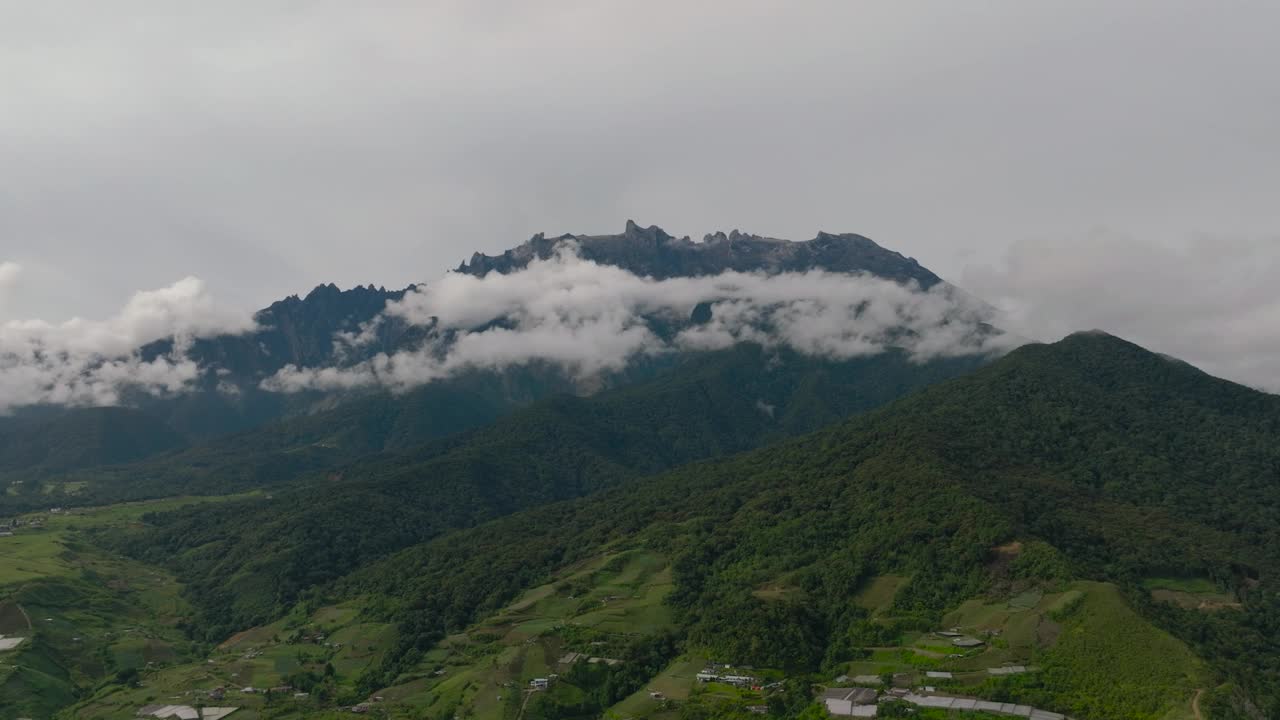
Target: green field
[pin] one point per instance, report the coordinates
(262, 658)
(84, 613)
(1193, 593)
(32, 555)
(878, 595)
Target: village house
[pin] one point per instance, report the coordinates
(968, 704)
(539, 683)
(847, 701)
(185, 712)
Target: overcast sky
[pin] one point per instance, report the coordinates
(1081, 164)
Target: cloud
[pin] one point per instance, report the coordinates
(591, 319)
(88, 362)
(1210, 301)
(9, 272)
(273, 146)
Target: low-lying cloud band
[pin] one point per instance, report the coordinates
(591, 318)
(84, 362)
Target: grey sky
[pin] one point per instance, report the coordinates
(269, 146)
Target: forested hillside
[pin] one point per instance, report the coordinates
(64, 441)
(247, 561)
(276, 453)
(1113, 463)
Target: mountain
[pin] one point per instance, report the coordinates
(227, 397)
(249, 559)
(234, 428)
(651, 252)
(1102, 517)
(1087, 460)
(293, 331)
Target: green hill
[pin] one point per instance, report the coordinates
(1104, 461)
(248, 561)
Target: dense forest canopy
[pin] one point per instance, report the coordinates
(248, 560)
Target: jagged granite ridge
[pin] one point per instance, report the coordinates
(655, 253)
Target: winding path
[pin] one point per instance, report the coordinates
(1195, 704)
(528, 695)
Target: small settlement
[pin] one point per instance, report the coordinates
(11, 526)
(862, 696)
(710, 675)
(851, 702)
(864, 702)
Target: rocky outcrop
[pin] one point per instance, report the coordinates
(654, 253)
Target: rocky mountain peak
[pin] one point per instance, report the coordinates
(653, 252)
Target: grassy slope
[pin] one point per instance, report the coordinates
(1107, 657)
(92, 613)
(261, 658)
(603, 600)
(589, 607)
